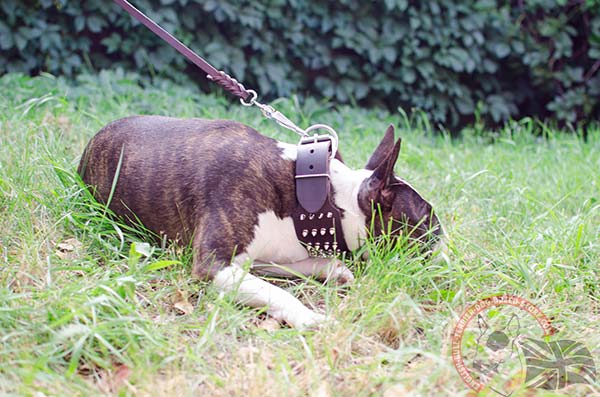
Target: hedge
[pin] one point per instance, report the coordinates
(456, 60)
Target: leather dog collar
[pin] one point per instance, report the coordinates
(317, 220)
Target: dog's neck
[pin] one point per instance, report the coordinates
(346, 183)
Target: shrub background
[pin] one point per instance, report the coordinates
(459, 61)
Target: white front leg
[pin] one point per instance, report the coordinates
(252, 291)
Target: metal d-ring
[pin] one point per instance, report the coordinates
(332, 134)
(252, 101)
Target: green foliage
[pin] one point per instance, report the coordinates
(457, 61)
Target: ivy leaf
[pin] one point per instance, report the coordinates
(501, 50)
(111, 42)
(79, 23)
(20, 41)
(465, 104)
(489, 66)
(6, 40)
(389, 53)
(95, 23)
(409, 76)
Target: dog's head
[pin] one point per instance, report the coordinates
(393, 206)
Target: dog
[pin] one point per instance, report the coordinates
(229, 191)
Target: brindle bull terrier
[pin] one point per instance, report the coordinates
(230, 192)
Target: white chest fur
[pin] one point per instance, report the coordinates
(346, 183)
(274, 241)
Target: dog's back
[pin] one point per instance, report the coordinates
(179, 174)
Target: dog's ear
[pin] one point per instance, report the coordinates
(384, 173)
(383, 149)
(375, 187)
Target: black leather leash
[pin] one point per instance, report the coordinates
(247, 97)
(221, 78)
(317, 220)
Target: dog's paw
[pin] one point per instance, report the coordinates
(342, 275)
(338, 272)
(301, 319)
(308, 320)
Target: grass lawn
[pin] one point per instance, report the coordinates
(86, 308)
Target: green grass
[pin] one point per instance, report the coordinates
(86, 308)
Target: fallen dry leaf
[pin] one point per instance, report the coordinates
(69, 244)
(335, 354)
(68, 248)
(182, 304)
(269, 324)
(112, 381)
(184, 307)
(121, 374)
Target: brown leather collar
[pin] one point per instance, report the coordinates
(318, 222)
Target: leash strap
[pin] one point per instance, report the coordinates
(247, 97)
(219, 77)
